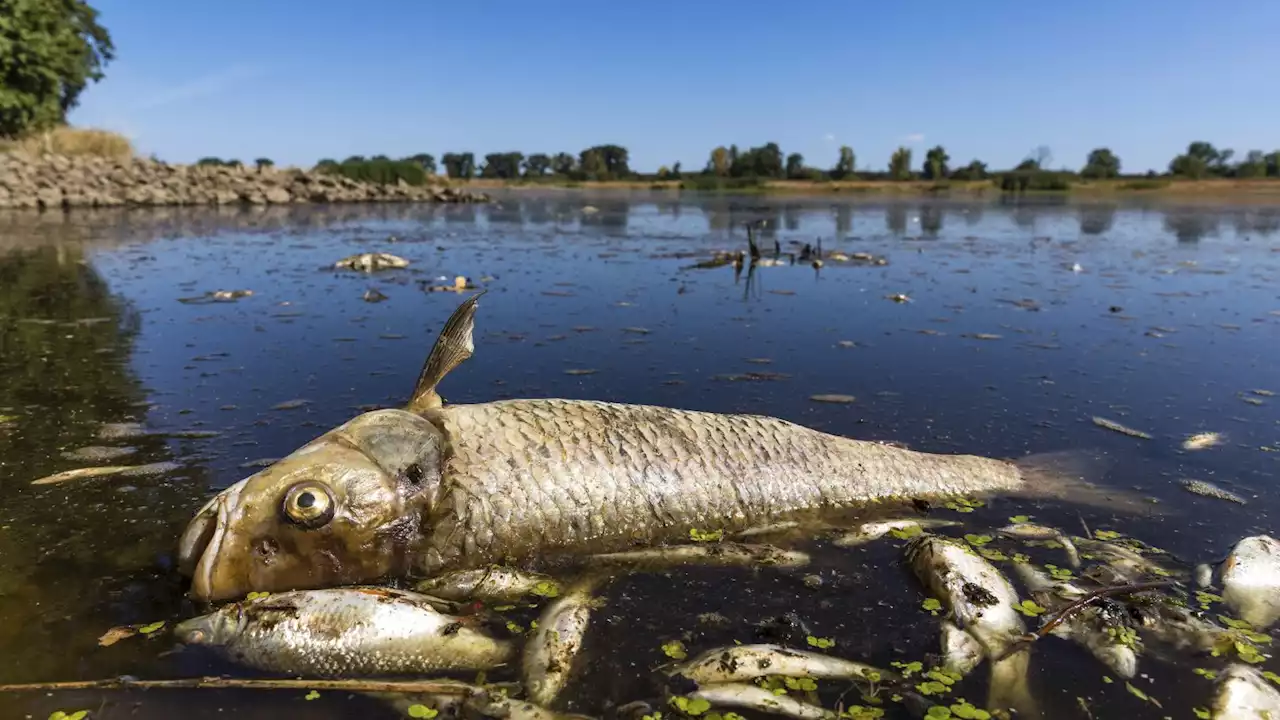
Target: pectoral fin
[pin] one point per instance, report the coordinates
(453, 346)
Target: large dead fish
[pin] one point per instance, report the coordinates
(433, 488)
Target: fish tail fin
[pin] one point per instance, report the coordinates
(453, 346)
(1009, 687)
(1071, 477)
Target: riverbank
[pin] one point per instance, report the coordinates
(49, 181)
(1217, 188)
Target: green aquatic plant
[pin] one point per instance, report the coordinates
(546, 589)
(256, 595)
(908, 668)
(1138, 693)
(675, 650)
(1058, 573)
(312, 695)
(422, 711)
(1205, 598)
(1202, 713)
(1125, 636)
(690, 706)
(978, 540)
(966, 710)
(964, 505)
(932, 605)
(1205, 673)
(1106, 679)
(151, 627)
(862, 712)
(64, 715)
(906, 533)
(717, 716)
(1019, 519)
(1106, 534)
(1030, 608)
(1021, 558)
(697, 535)
(820, 643)
(992, 554)
(515, 627)
(938, 712)
(804, 684)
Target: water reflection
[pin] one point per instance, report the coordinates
(1096, 219)
(931, 219)
(895, 219)
(1190, 226)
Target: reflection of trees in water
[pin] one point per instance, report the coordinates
(791, 216)
(611, 217)
(931, 219)
(1190, 226)
(460, 214)
(65, 345)
(1096, 219)
(973, 213)
(895, 218)
(505, 213)
(537, 211)
(844, 221)
(1259, 221)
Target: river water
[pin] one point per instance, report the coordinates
(1024, 320)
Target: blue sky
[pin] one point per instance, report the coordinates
(298, 81)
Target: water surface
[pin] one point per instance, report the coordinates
(1165, 318)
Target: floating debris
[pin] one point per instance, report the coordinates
(1202, 441)
(460, 283)
(259, 463)
(373, 295)
(371, 262)
(291, 404)
(581, 371)
(754, 376)
(216, 296)
(98, 453)
(116, 634)
(983, 336)
(835, 398)
(1209, 490)
(491, 585)
(122, 431)
(903, 528)
(898, 298)
(158, 468)
(1117, 427)
(711, 554)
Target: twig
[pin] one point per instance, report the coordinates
(1059, 617)
(1087, 532)
(444, 687)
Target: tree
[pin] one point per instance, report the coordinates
(975, 170)
(935, 163)
(326, 165)
(1042, 156)
(537, 164)
(1254, 165)
(900, 164)
(263, 163)
(425, 160)
(459, 165)
(562, 164)
(1101, 163)
(795, 166)
(675, 171)
(735, 163)
(1273, 164)
(845, 165)
(591, 165)
(210, 162)
(604, 162)
(50, 50)
(1199, 160)
(505, 166)
(354, 159)
(719, 162)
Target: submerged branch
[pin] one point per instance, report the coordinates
(441, 687)
(1063, 615)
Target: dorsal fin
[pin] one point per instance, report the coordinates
(453, 346)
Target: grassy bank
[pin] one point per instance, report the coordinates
(1217, 187)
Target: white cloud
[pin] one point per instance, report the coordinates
(913, 138)
(203, 86)
(829, 137)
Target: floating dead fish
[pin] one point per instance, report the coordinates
(460, 283)
(551, 651)
(1102, 629)
(95, 453)
(982, 336)
(1251, 580)
(500, 706)
(122, 431)
(868, 532)
(754, 697)
(216, 296)
(581, 371)
(490, 585)
(1242, 693)
(291, 404)
(371, 262)
(728, 554)
(1117, 427)
(1131, 566)
(834, 398)
(158, 468)
(743, 663)
(1207, 489)
(898, 298)
(344, 632)
(1031, 531)
(1202, 441)
(373, 295)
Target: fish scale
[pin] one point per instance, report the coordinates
(543, 474)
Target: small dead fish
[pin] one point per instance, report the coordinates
(835, 398)
(551, 650)
(216, 296)
(732, 554)
(983, 336)
(768, 528)
(95, 453)
(1251, 580)
(898, 298)
(1131, 565)
(1117, 427)
(743, 663)
(1207, 489)
(344, 632)
(1099, 628)
(373, 295)
(501, 707)
(871, 531)
(1031, 531)
(122, 431)
(371, 262)
(291, 404)
(1178, 628)
(1202, 441)
(1242, 693)
(94, 472)
(754, 697)
(490, 585)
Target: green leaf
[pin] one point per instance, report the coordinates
(256, 595)
(931, 687)
(943, 677)
(818, 642)
(1029, 608)
(1106, 534)
(992, 554)
(933, 605)
(1107, 679)
(1020, 558)
(1271, 676)
(938, 712)
(1019, 519)
(546, 589)
(1205, 673)
(705, 536)
(1202, 713)
(675, 649)
(311, 695)
(422, 711)
(908, 668)
(64, 715)
(978, 540)
(1136, 692)
(907, 532)
(152, 627)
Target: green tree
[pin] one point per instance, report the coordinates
(50, 50)
(675, 171)
(900, 164)
(459, 165)
(1101, 163)
(795, 166)
(845, 165)
(537, 164)
(735, 161)
(935, 163)
(718, 164)
(591, 165)
(562, 164)
(263, 163)
(1273, 164)
(1254, 165)
(975, 170)
(210, 161)
(505, 165)
(426, 161)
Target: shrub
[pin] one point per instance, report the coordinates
(76, 141)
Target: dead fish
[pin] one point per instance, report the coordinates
(216, 296)
(835, 398)
(1207, 489)
(1100, 628)
(493, 584)
(373, 295)
(1031, 531)
(1251, 580)
(433, 488)
(498, 705)
(121, 431)
(871, 531)
(768, 528)
(730, 554)
(981, 602)
(371, 262)
(1131, 566)
(1117, 427)
(754, 697)
(158, 468)
(743, 663)
(551, 651)
(95, 453)
(1202, 441)
(1242, 693)
(344, 632)
(1178, 628)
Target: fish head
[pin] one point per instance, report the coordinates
(345, 508)
(213, 630)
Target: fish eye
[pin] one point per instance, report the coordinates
(308, 504)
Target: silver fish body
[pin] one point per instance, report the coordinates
(753, 697)
(1251, 580)
(1031, 531)
(1243, 694)
(344, 632)
(871, 531)
(743, 663)
(1102, 633)
(712, 554)
(494, 584)
(552, 649)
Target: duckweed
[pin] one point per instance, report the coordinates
(978, 540)
(515, 627)
(933, 605)
(1271, 676)
(697, 535)
(1021, 558)
(675, 650)
(1138, 693)
(1125, 636)
(992, 554)
(938, 712)
(690, 706)
(256, 595)
(964, 505)
(1058, 573)
(906, 533)
(718, 716)
(862, 712)
(64, 715)
(1205, 598)
(312, 695)
(1106, 534)
(1206, 673)
(963, 709)
(908, 668)
(151, 627)
(820, 643)
(422, 711)
(801, 683)
(1019, 519)
(1030, 608)
(931, 688)
(546, 589)
(1202, 713)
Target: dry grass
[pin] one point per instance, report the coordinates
(74, 142)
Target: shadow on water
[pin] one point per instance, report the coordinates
(1025, 319)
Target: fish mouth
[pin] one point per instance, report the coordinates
(200, 548)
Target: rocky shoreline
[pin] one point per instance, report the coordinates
(51, 182)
